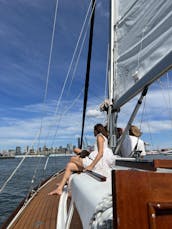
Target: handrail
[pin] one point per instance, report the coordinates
(95, 175)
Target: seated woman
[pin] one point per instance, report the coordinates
(100, 160)
(132, 143)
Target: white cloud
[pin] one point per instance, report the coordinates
(94, 113)
(66, 128)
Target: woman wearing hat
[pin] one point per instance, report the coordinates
(132, 143)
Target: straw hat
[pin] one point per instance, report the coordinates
(134, 130)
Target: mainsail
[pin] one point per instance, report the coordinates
(142, 45)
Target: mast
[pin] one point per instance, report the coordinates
(88, 71)
(112, 116)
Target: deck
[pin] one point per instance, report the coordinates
(41, 212)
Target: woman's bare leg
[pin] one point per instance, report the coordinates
(76, 160)
(69, 169)
(77, 150)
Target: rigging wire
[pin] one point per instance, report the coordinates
(46, 86)
(69, 70)
(45, 95)
(148, 125)
(48, 73)
(78, 57)
(83, 41)
(33, 180)
(49, 65)
(167, 100)
(12, 174)
(61, 116)
(62, 91)
(64, 85)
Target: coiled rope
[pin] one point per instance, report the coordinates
(102, 218)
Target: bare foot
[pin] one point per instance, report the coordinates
(57, 191)
(58, 183)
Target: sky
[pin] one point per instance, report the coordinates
(41, 98)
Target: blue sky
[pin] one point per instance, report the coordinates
(30, 118)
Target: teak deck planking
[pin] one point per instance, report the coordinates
(42, 211)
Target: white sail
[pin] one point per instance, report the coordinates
(143, 45)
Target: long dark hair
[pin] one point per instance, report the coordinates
(99, 128)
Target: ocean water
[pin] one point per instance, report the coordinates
(20, 185)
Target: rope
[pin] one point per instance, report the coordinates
(103, 217)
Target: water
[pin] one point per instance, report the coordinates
(21, 185)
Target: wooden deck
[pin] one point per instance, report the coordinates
(41, 212)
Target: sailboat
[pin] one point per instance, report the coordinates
(138, 193)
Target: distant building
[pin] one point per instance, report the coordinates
(31, 151)
(10, 153)
(69, 148)
(18, 150)
(27, 149)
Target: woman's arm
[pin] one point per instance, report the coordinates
(100, 143)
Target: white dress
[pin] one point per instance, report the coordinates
(105, 164)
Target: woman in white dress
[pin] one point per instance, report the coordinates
(100, 160)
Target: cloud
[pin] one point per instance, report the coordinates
(57, 129)
(93, 113)
(102, 8)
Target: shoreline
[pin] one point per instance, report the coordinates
(21, 156)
